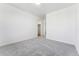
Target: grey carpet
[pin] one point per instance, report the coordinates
(38, 47)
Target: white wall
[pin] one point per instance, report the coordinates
(77, 27)
(60, 25)
(16, 25)
(63, 25)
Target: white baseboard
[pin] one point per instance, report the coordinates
(13, 41)
(62, 41)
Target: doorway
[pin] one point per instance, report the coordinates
(41, 28)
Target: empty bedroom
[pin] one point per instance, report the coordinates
(39, 29)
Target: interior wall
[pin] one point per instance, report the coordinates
(63, 25)
(77, 28)
(60, 25)
(16, 25)
(43, 27)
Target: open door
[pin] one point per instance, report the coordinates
(39, 30)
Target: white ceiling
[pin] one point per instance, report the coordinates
(42, 9)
